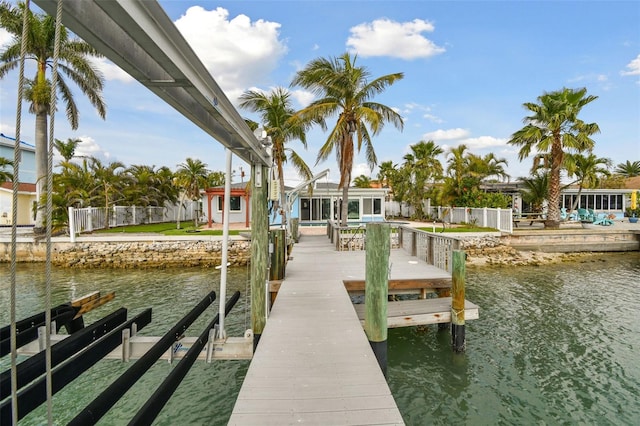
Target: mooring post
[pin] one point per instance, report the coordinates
(457, 300)
(259, 250)
(277, 237)
(376, 290)
(295, 223)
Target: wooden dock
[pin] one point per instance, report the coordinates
(314, 363)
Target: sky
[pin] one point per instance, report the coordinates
(468, 68)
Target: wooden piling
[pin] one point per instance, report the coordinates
(457, 301)
(259, 250)
(376, 289)
(295, 223)
(277, 238)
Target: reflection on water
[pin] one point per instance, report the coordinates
(554, 345)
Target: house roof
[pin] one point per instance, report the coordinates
(22, 187)
(10, 142)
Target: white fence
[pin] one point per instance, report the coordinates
(500, 219)
(89, 219)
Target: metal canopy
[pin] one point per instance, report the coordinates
(140, 38)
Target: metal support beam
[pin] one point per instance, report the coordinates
(140, 38)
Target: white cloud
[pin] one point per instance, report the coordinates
(5, 37)
(484, 142)
(237, 52)
(633, 67)
(302, 97)
(110, 71)
(8, 129)
(88, 147)
(432, 118)
(360, 169)
(384, 37)
(446, 135)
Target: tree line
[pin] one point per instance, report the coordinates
(345, 108)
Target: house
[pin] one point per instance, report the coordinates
(613, 201)
(311, 208)
(323, 203)
(239, 204)
(26, 183)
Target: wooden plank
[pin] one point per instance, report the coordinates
(409, 313)
(91, 305)
(76, 303)
(404, 284)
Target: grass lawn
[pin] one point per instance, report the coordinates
(168, 228)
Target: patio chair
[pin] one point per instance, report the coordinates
(603, 219)
(586, 215)
(564, 215)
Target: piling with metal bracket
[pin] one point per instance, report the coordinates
(259, 251)
(376, 289)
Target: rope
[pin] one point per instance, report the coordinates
(14, 218)
(52, 109)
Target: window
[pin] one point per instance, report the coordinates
(377, 206)
(367, 206)
(234, 204)
(371, 206)
(326, 208)
(353, 209)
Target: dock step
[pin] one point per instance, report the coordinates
(408, 313)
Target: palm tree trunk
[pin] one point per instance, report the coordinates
(577, 200)
(42, 160)
(553, 213)
(283, 203)
(344, 210)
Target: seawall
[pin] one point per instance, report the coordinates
(153, 251)
(130, 252)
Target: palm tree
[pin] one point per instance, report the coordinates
(422, 166)
(215, 178)
(385, 172)
(487, 166)
(628, 169)
(73, 62)
(536, 190)
(191, 177)
(144, 190)
(346, 90)
(67, 149)
(109, 183)
(456, 171)
(5, 176)
(589, 170)
(362, 181)
(282, 125)
(554, 127)
(73, 186)
(166, 187)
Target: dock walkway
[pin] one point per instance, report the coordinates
(314, 364)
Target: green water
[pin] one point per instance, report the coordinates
(554, 345)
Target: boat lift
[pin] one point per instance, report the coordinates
(141, 39)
